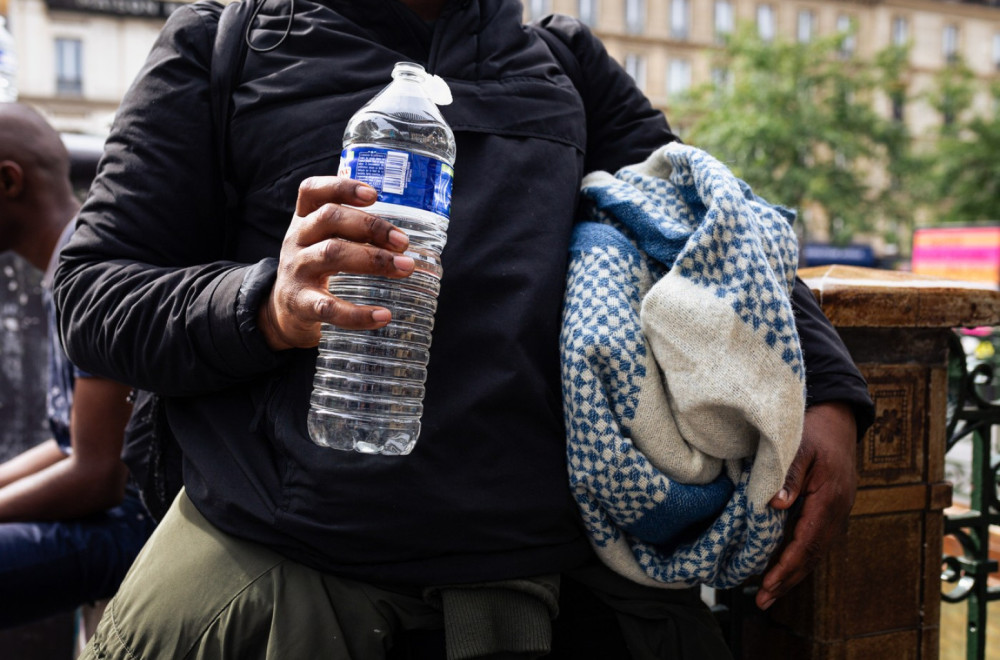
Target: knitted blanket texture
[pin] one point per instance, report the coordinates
(683, 381)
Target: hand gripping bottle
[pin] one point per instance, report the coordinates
(369, 384)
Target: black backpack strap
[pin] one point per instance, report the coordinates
(228, 55)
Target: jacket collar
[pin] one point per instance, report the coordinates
(454, 33)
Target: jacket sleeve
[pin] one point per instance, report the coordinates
(143, 294)
(623, 128)
(831, 374)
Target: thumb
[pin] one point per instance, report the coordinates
(789, 492)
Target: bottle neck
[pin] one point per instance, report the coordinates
(409, 72)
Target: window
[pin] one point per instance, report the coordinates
(900, 31)
(539, 8)
(898, 106)
(806, 26)
(723, 19)
(635, 66)
(949, 43)
(69, 67)
(678, 77)
(588, 12)
(845, 27)
(765, 22)
(996, 51)
(680, 18)
(635, 15)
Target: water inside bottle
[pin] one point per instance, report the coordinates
(369, 385)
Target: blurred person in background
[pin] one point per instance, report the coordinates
(69, 526)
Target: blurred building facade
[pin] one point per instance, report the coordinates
(77, 57)
(668, 45)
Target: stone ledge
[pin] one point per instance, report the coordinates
(867, 297)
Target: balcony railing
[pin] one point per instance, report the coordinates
(974, 414)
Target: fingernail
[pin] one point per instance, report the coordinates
(381, 316)
(403, 263)
(398, 239)
(768, 604)
(366, 193)
(783, 494)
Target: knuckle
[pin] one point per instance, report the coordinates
(308, 184)
(381, 259)
(289, 295)
(334, 249)
(290, 241)
(814, 551)
(323, 307)
(286, 287)
(373, 223)
(333, 213)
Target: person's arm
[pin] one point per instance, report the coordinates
(92, 477)
(30, 461)
(831, 374)
(144, 294)
(623, 129)
(823, 477)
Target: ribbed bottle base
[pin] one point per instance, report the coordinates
(369, 384)
(377, 436)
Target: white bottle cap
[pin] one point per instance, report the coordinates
(437, 89)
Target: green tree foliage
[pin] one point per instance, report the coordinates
(966, 162)
(952, 95)
(797, 122)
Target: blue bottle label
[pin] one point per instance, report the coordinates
(401, 177)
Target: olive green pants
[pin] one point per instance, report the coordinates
(195, 592)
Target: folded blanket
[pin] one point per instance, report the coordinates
(683, 381)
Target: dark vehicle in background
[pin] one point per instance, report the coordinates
(84, 153)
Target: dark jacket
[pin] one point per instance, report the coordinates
(150, 296)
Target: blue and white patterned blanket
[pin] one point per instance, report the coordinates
(683, 380)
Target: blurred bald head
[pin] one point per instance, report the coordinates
(29, 140)
(36, 195)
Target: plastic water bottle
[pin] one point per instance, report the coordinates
(8, 64)
(369, 384)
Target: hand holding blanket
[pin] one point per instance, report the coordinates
(683, 380)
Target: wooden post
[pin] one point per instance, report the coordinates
(877, 593)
